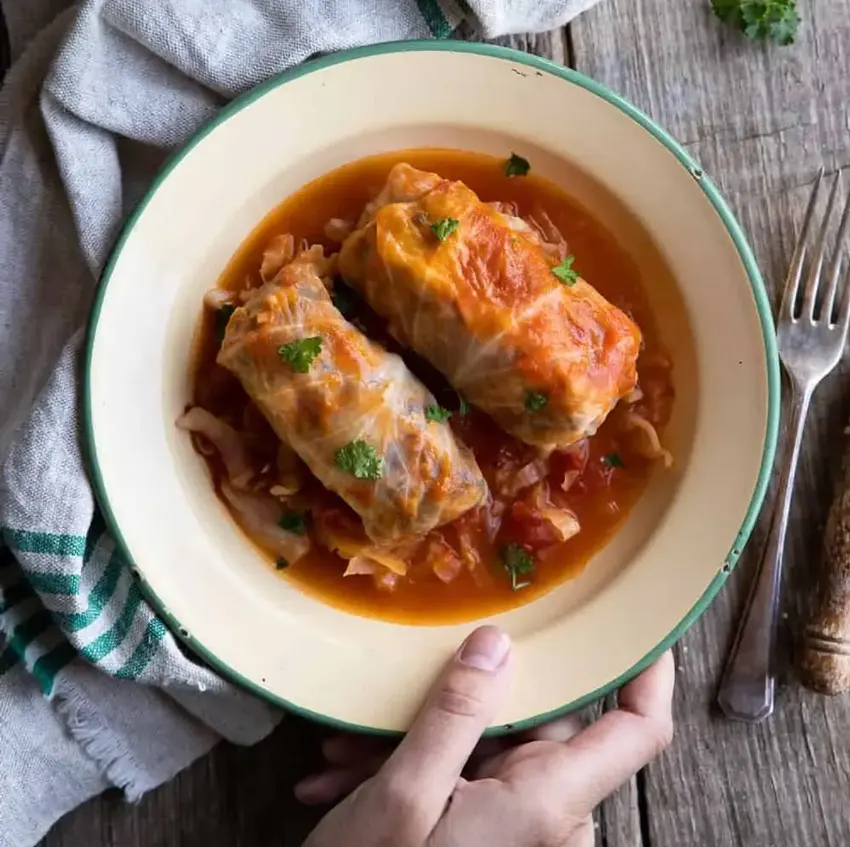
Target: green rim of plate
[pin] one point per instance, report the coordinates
(711, 193)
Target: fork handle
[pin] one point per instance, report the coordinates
(747, 688)
(824, 664)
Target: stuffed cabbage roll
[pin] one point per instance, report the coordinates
(472, 290)
(353, 412)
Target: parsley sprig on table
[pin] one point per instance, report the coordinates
(518, 562)
(776, 20)
(360, 460)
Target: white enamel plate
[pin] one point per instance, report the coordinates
(672, 554)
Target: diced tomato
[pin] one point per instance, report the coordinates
(524, 525)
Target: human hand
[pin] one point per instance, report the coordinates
(540, 793)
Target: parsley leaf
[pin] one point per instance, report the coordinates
(535, 401)
(760, 19)
(517, 166)
(444, 227)
(222, 318)
(463, 408)
(281, 563)
(435, 412)
(293, 522)
(614, 460)
(300, 353)
(517, 562)
(565, 271)
(360, 460)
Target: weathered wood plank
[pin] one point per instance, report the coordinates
(761, 120)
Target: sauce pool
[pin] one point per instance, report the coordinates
(614, 475)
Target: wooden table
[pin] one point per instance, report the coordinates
(761, 120)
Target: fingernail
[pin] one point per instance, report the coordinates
(485, 649)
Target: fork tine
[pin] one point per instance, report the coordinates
(810, 291)
(843, 319)
(795, 272)
(834, 273)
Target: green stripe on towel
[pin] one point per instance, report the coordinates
(44, 543)
(46, 668)
(99, 596)
(102, 646)
(54, 583)
(434, 17)
(142, 655)
(25, 633)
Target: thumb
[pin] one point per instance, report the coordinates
(462, 704)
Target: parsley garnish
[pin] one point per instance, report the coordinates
(463, 407)
(444, 227)
(281, 563)
(435, 412)
(222, 318)
(517, 561)
(535, 401)
(517, 166)
(613, 460)
(293, 522)
(360, 460)
(300, 353)
(761, 19)
(565, 271)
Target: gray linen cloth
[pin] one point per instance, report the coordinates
(94, 691)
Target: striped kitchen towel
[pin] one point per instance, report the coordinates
(94, 690)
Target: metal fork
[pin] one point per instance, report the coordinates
(811, 332)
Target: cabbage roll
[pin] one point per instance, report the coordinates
(352, 411)
(473, 290)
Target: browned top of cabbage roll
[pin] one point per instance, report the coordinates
(471, 289)
(352, 411)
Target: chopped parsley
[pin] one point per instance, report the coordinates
(222, 318)
(760, 19)
(517, 562)
(293, 522)
(360, 460)
(614, 460)
(435, 412)
(300, 353)
(445, 227)
(517, 166)
(463, 407)
(535, 401)
(281, 563)
(565, 273)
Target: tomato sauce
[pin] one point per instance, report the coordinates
(609, 473)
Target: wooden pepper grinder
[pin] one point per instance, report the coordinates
(825, 660)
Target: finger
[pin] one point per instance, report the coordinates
(328, 787)
(560, 730)
(462, 704)
(489, 761)
(598, 760)
(348, 750)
